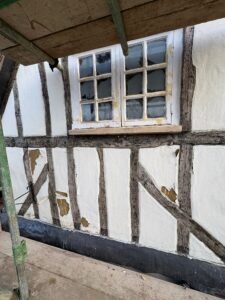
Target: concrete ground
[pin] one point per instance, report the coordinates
(57, 274)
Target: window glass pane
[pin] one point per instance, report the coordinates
(104, 88)
(88, 112)
(134, 83)
(156, 107)
(86, 66)
(105, 111)
(87, 90)
(134, 59)
(156, 52)
(103, 63)
(134, 109)
(156, 80)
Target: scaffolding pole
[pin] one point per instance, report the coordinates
(18, 245)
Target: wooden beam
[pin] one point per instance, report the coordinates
(147, 19)
(114, 6)
(15, 36)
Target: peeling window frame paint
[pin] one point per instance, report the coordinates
(172, 90)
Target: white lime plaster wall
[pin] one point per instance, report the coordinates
(9, 119)
(208, 189)
(56, 101)
(117, 182)
(87, 178)
(158, 228)
(31, 101)
(162, 165)
(208, 111)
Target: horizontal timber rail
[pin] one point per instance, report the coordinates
(125, 141)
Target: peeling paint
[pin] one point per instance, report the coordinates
(171, 194)
(62, 193)
(177, 152)
(33, 156)
(84, 222)
(63, 207)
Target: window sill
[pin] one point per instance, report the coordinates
(160, 129)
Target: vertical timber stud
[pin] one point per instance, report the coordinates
(114, 7)
(18, 246)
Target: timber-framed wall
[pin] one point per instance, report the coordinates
(142, 258)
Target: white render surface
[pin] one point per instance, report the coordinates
(208, 110)
(158, 228)
(9, 127)
(87, 177)
(208, 189)
(162, 165)
(56, 101)
(31, 101)
(117, 181)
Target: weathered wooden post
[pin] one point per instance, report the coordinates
(18, 245)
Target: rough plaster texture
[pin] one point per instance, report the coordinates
(56, 101)
(87, 176)
(158, 228)
(208, 111)
(198, 250)
(9, 128)
(162, 165)
(31, 101)
(208, 189)
(61, 185)
(117, 181)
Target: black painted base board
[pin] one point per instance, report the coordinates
(199, 275)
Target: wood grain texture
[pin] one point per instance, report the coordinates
(102, 196)
(7, 77)
(45, 95)
(142, 20)
(134, 195)
(127, 130)
(184, 195)
(37, 186)
(125, 141)
(17, 110)
(52, 189)
(73, 188)
(202, 234)
(67, 95)
(188, 79)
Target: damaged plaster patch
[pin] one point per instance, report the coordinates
(171, 194)
(33, 156)
(63, 207)
(84, 222)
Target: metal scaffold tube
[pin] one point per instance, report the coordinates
(18, 245)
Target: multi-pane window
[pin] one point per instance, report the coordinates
(96, 87)
(138, 89)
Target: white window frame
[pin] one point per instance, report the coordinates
(173, 83)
